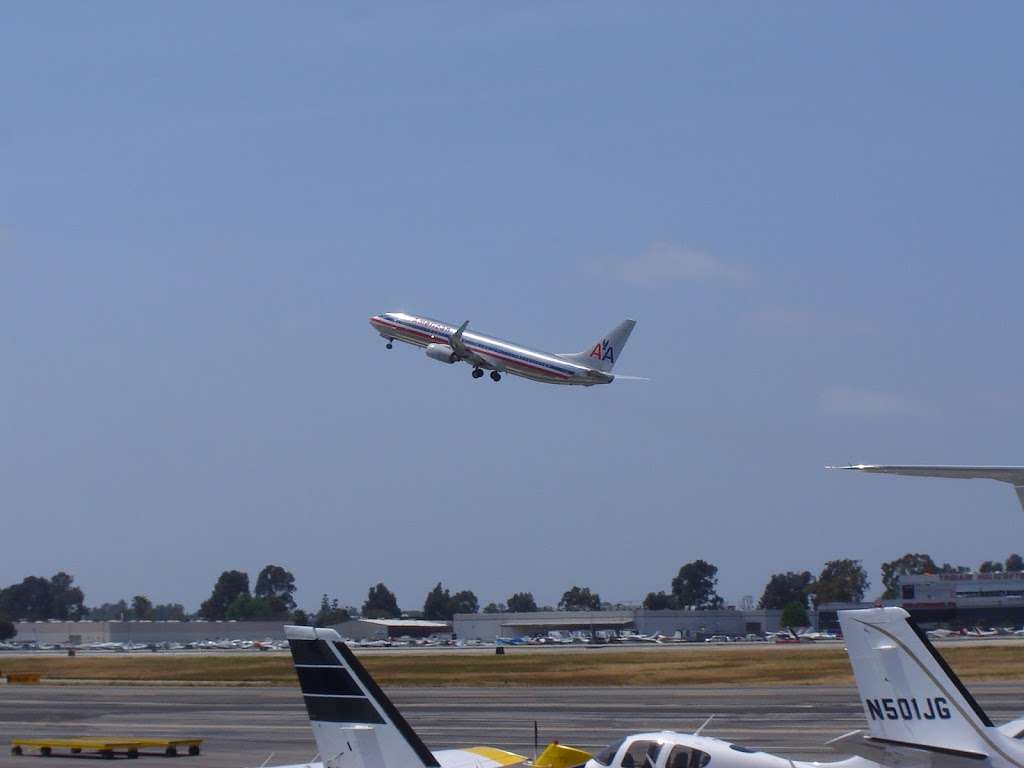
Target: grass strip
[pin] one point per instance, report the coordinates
(733, 666)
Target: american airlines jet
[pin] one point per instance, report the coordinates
(448, 344)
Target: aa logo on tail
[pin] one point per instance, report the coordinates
(604, 351)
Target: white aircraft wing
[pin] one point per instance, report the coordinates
(1012, 475)
(900, 754)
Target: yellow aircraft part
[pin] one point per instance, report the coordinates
(500, 756)
(557, 755)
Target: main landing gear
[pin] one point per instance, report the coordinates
(477, 373)
(495, 376)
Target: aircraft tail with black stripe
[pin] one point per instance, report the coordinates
(352, 718)
(355, 723)
(918, 711)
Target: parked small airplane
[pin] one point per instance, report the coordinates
(356, 725)
(1012, 475)
(448, 344)
(919, 714)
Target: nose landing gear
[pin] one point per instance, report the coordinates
(389, 345)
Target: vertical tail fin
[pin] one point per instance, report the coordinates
(604, 353)
(911, 697)
(350, 714)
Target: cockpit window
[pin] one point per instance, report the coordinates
(638, 755)
(606, 755)
(686, 757)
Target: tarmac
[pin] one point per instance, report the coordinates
(244, 726)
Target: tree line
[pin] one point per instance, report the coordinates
(694, 586)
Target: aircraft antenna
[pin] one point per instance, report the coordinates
(703, 726)
(536, 740)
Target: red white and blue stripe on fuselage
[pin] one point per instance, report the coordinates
(422, 331)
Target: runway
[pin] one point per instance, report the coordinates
(243, 726)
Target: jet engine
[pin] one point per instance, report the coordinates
(442, 353)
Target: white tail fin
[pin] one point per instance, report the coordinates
(351, 716)
(911, 698)
(604, 353)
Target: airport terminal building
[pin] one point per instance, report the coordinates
(691, 625)
(965, 599)
(950, 600)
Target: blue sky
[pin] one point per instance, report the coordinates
(814, 213)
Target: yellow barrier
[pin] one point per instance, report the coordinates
(22, 677)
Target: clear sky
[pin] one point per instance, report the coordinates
(814, 212)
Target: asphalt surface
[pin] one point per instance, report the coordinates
(243, 726)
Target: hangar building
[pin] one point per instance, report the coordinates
(85, 631)
(692, 625)
(391, 629)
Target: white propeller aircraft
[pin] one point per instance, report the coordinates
(919, 714)
(448, 344)
(356, 725)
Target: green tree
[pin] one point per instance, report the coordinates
(495, 608)
(245, 607)
(168, 612)
(909, 564)
(229, 586)
(463, 602)
(990, 566)
(694, 586)
(1015, 563)
(300, 618)
(785, 588)
(440, 605)
(522, 602)
(659, 601)
(330, 613)
(381, 603)
(840, 581)
(579, 599)
(30, 600)
(277, 585)
(794, 615)
(7, 629)
(66, 600)
(435, 606)
(142, 608)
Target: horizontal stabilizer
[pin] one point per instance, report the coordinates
(900, 754)
(557, 755)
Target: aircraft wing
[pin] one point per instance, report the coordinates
(1012, 475)
(478, 757)
(901, 754)
(476, 359)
